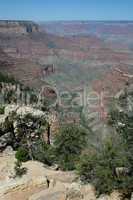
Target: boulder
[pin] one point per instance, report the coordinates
(115, 195)
(14, 185)
(25, 110)
(8, 151)
(10, 109)
(5, 140)
(89, 192)
(2, 120)
(104, 197)
(48, 195)
(77, 191)
(74, 192)
(56, 191)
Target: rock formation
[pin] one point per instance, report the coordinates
(17, 27)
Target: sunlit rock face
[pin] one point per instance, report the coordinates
(16, 27)
(20, 121)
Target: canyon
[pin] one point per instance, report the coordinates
(69, 56)
(74, 69)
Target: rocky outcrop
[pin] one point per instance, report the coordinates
(17, 27)
(5, 140)
(54, 185)
(52, 193)
(73, 191)
(21, 122)
(113, 196)
(21, 184)
(10, 124)
(63, 191)
(37, 176)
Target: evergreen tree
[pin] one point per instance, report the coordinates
(69, 143)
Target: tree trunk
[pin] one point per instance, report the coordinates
(48, 134)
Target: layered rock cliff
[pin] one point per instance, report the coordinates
(17, 27)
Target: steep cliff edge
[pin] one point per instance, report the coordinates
(18, 27)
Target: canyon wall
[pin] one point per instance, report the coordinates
(17, 27)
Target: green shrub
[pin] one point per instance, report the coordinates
(43, 152)
(123, 123)
(22, 155)
(86, 165)
(7, 79)
(69, 143)
(19, 170)
(99, 168)
(2, 110)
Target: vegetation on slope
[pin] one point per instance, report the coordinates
(108, 167)
(69, 143)
(7, 79)
(99, 168)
